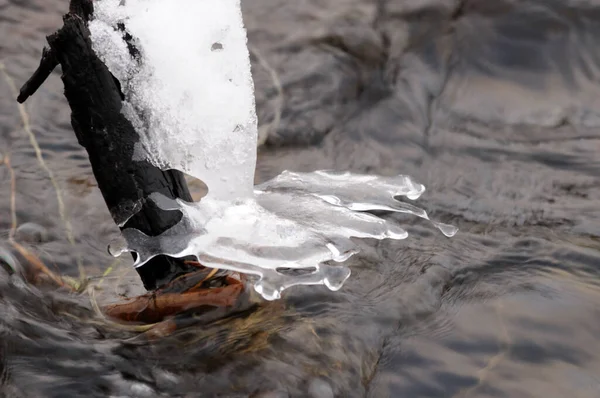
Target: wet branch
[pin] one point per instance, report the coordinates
(47, 65)
(95, 99)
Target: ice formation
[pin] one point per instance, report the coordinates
(189, 93)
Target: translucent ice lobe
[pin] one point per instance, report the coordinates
(359, 192)
(190, 95)
(358, 188)
(318, 215)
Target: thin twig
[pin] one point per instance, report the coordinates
(100, 314)
(39, 266)
(47, 65)
(38, 153)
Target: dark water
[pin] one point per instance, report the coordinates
(493, 105)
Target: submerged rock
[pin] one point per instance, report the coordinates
(32, 233)
(319, 388)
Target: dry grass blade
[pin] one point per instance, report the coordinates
(38, 153)
(37, 266)
(210, 275)
(108, 271)
(13, 201)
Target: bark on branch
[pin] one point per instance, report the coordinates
(95, 99)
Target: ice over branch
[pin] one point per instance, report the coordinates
(188, 89)
(189, 93)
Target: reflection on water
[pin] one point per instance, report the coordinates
(494, 106)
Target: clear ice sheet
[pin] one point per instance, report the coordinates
(285, 224)
(189, 94)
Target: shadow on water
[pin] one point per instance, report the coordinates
(494, 106)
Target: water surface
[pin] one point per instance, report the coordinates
(494, 106)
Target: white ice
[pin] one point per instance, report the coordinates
(189, 94)
(191, 97)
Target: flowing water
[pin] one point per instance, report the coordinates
(494, 106)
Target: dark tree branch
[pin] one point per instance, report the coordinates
(95, 99)
(47, 65)
(82, 8)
